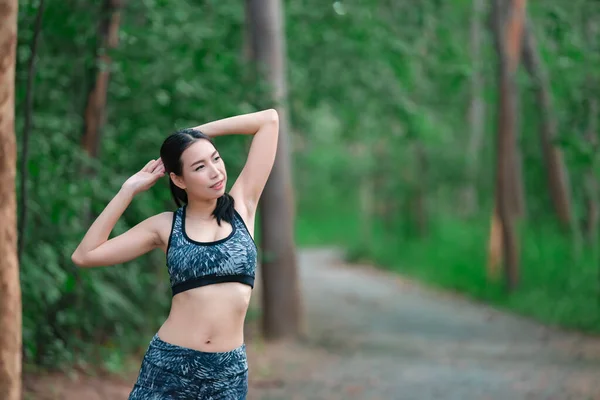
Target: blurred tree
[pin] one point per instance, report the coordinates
(95, 110)
(508, 20)
(10, 291)
(282, 315)
(476, 114)
(556, 172)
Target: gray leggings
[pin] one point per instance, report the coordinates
(171, 372)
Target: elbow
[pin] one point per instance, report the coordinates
(272, 116)
(78, 259)
(273, 121)
(268, 122)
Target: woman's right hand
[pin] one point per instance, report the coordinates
(145, 178)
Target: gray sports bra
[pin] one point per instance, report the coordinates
(193, 264)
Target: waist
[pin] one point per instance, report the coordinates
(209, 318)
(206, 365)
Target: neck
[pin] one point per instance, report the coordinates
(202, 209)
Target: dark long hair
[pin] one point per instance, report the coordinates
(170, 154)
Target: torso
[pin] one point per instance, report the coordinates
(209, 318)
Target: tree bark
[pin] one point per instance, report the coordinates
(507, 26)
(495, 247)
(557, 176)
(281, 300)
(10, 290)
(514, 26)
(476, 111)
(95, 109)
(508, 23)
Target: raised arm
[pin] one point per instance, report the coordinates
(264, 125)
(96, 250)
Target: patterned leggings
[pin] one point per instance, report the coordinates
(171, 372)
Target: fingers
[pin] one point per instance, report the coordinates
(148, 166)
(158, 173)
(158, 167)
(160, 170)
(153, 166)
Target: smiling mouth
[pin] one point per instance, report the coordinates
(218, 183)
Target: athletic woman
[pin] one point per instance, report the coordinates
(199, 351)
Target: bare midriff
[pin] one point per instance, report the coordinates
(208, 318)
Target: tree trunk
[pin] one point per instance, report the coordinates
(419, 209)
(508, 25)
(366, 208)
(517, 194)
(557, 177)
(10, 289)
(508, 18)
(366, 188)
(95, 109)
(384, 204)
(476, 111)
(495, 247)
(247, 32)
(281, 292)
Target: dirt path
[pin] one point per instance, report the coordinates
(375, 336)
(372, 335)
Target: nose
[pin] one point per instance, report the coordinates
(214, 171)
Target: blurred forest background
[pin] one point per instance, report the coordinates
(394, 110)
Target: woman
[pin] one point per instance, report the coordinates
(199, 352)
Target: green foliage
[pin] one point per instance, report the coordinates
(176, 66)
(555, 287)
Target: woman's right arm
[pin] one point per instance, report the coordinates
(95, 249)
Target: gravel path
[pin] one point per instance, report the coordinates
(373, 335)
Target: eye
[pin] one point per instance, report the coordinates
(217, 158)
(199, 167)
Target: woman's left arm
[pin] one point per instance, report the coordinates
(264, 125)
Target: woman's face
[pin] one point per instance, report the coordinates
(203, 173)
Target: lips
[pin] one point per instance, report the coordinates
(218, 185)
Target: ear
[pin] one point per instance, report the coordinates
(177, 181)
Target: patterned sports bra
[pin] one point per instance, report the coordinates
(193, 264)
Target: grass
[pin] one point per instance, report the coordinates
(556, 287)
